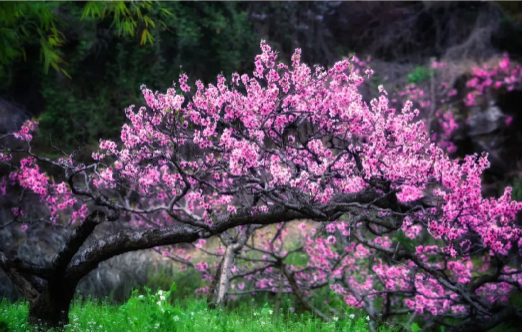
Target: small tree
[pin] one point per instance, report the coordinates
(291, 142)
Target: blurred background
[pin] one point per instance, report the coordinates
(76, 65)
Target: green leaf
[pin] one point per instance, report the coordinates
(148, 21)
(92, 9)
(138, 13)
(65, 73)
(415, 327)
(146, 36)
(165, 12)
(405, 241)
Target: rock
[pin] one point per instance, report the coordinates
(11, 116)
(484, 122)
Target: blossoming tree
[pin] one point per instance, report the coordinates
(290, 142)
(331, 256)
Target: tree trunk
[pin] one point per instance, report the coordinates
(48, 288)
(300, 296)
(212, 289)
(51, 308)
(279, 293)
(224, 277)
(233, 247)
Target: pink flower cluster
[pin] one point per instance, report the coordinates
(25, 132)
(504, 75)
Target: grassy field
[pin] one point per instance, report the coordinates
(156, 312)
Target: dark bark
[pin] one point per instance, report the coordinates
(51, 307)
(139, 239)
(47, 288)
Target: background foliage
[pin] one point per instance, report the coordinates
(109, 49)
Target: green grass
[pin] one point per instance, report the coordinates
(156, 312)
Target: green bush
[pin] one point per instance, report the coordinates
(419, 75)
